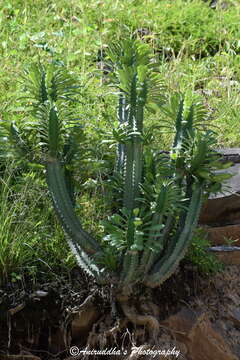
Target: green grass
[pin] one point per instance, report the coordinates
(199, 50)
(31, 242)
(198, 255)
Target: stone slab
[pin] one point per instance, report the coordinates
(229, 255)
(196, 331)
(219, 235)
(221, 211)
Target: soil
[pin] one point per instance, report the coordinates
(37, 320)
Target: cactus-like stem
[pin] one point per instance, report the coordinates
(86, 263)
(148, 252)
(170, 245)
(167, 229)
(122, 117)
(133, 172)
(149, 256)
(128, 197)
(164, 237)
(65, 210)
(126, 262)
(68, 175)
(131, 258)
(165, 267)
(178, 124)
(130, 165)
(133, 265)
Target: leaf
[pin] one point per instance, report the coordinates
(221, 177)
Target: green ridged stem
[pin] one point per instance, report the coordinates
(169, 247)
(122, 118)
(132, 269)
(53, 131)
(128, 197)
(154, 256)
(133, 172)
(149, 255)
(126, 262)
(86, 263)
(129, 167)
(65, 210)
(68, 176)
(178, 124)
(165, 267)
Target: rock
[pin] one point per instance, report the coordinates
(83, 322)
(216, 3)
(230, 154)
(202, 340)
(224, 207)
(221, 211)
(218, 235)
(229, 255)
(231, 185)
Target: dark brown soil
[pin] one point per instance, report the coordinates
(31, 317)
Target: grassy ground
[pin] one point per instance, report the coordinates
(199, 50)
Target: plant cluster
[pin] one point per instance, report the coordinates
(155, 197)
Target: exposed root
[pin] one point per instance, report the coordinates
(149, 321)
(93, 337)
(102, 334)
(148, 307)
(121, 324)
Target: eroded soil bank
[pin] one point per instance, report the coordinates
(199, 318)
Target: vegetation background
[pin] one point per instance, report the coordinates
(198, 45)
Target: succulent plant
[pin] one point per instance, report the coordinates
(157, 196)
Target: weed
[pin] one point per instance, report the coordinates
(198, 254)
